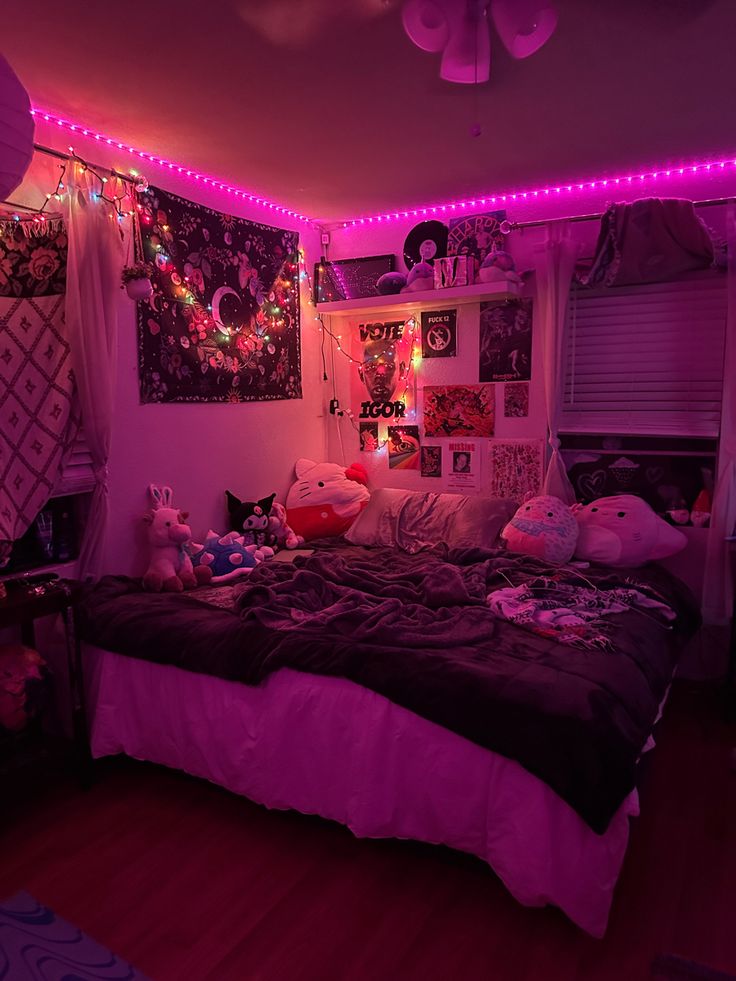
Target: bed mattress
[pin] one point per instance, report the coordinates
(417, 630)
(327, 746)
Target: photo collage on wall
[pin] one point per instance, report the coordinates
(447, 431)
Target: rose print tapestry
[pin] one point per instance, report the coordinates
(38, 414)
(222, 323)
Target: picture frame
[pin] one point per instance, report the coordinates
(350, 279)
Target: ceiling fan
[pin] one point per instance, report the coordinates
(460, 30)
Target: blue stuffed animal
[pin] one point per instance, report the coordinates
(227, 556)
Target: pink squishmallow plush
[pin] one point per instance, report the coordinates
(624, 531)
(543, 527)
(326, 498)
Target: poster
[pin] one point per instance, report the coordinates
(464, 467)
(517, 468)
(476, 235)
(383, 368)
(368, 437)
(458, 410)
(439, 333)
(222, 323)
(505, 341)
(431, 461)
(516, 400)
(403, 447)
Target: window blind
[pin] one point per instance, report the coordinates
(77, 475)
(646, 359)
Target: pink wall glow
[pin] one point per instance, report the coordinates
(199, 449)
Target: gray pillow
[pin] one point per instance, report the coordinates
(413, 520)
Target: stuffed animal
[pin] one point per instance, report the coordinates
(280, 530)
(250, 518)
(391, 282)
(326, 498)
(227, 557)
(543, 527)
(700, 514)
(170, 566)
(624, 531)
(421, 277)
(498, 266)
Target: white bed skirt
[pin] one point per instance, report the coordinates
(327, 746)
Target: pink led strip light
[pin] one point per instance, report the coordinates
(590, 185)
(79, 130)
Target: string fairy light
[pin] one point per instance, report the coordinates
(80, 129)
(410, 324)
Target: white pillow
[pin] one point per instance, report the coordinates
(413, 520)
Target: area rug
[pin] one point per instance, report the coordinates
(670, 967)
(37, 945)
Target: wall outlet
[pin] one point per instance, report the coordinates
(334, 406)
(325, 238)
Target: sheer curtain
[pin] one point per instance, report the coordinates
(718, 580)
(554, 264)
(95, 260)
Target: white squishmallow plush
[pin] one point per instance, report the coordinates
(326, 498)
(624, 531)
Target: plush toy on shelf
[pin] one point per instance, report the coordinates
(170, 566)
(326, 498)
(499, 267)
(227, 557)
(281, 532)
(623, 531)
(421, 277)
(251, 519)
(543, 527)
(391, 282)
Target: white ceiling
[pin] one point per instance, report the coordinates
(326, 106)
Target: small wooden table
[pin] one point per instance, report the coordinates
(28, 601)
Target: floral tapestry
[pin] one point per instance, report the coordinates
(222, 323)
(32, 259)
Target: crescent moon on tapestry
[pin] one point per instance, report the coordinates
(216, 300)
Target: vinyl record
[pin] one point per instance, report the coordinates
(425, 242)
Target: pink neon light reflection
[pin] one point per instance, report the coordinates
(79, 130)
(588, 185)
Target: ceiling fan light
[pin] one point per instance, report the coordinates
(524, 26)
(458, 29)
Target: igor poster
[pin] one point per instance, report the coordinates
(384, 366)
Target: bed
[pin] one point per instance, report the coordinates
(376, 688)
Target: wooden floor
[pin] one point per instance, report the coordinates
(193, 884)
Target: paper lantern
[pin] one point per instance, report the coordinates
(524, 25)
(16, 130)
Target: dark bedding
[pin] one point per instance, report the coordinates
(417, 629)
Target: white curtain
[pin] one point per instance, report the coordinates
(718, 580)
(554, 263)
(95, 261)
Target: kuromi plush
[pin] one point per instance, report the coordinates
(624, 531)
(326, 498)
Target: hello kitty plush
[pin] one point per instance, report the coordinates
(326, 498)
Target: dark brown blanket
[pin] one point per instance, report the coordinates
(417, 629)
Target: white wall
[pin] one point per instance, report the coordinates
(199, 449)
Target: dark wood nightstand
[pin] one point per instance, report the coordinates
(28, 600)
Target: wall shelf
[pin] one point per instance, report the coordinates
(423, 300)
